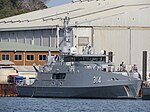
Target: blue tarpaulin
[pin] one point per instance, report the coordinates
(19, 78)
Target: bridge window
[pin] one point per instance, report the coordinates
(59, 76)
(85, 58)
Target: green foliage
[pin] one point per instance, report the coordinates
(8, 8)
(11, 7)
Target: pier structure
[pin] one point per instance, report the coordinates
(8, 90)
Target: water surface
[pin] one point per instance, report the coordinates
(16, 104)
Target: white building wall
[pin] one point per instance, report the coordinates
(115, 40)
(126, 34)
(127, 44)
(140, 42)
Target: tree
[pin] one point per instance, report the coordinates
(15, 7)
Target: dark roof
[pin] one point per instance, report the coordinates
(12, 46)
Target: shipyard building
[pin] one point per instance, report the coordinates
(120, 26)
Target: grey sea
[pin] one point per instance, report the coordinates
(17, 104)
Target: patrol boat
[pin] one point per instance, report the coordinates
(73, 75)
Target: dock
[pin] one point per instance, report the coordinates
(8, 90)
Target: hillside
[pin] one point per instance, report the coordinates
(15, 7)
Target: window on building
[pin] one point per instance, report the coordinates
(83, 41)
(5, 56)
(30, 57)
(18, 57)
(42, 57)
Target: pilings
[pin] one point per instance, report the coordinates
(144, 66)
(8, 90)
(145, 85)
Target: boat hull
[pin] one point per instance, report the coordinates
(146, 93)
(77, 92)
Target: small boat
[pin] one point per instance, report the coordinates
(146, 93)
(146, 90)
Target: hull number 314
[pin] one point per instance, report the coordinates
(97, 79)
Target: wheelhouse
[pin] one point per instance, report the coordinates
(75, 58)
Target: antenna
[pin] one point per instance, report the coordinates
(66, 31)
(67, 44)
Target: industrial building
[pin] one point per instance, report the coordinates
(25, 55)
(120, 26)
(17, 60)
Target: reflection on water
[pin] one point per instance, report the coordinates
(16, 104)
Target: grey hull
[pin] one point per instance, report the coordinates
(81, 92)
(64, 81)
